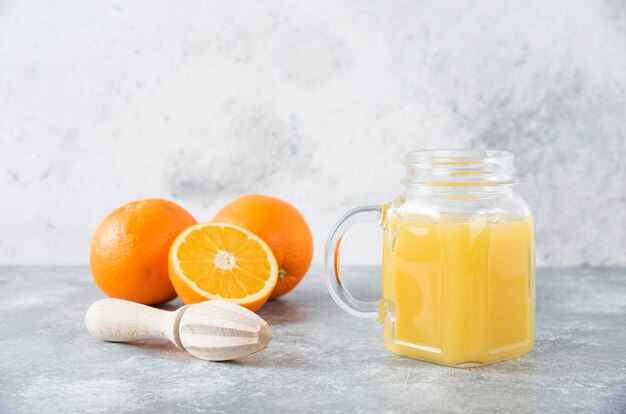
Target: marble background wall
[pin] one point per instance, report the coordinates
(103, 102)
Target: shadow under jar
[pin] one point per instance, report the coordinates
(458, 282)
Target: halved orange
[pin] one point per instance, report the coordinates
(222, 261)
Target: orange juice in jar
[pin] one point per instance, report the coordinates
(458, 261)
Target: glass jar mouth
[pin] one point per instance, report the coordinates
(442, 155)
(459, 168)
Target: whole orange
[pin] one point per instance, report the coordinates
(129, 250)
(282, 227)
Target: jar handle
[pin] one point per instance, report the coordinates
(337, 290)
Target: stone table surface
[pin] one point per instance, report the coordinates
(321, 360)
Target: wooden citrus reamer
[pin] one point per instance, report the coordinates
(212, 330)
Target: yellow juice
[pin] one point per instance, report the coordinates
(459, 291)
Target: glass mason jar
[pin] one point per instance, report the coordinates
(458, 278)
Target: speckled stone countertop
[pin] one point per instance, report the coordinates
(321, 360)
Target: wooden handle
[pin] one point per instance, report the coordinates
(119, 320)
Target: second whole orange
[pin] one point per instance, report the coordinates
(282, 227)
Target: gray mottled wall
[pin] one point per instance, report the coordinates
(316, 102)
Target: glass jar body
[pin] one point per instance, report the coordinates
(458, 274)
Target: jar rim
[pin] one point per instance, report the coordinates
(428, 156)
(459, 169)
